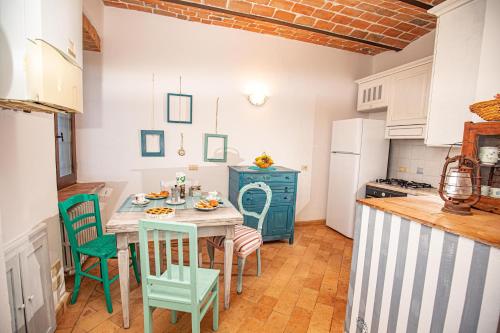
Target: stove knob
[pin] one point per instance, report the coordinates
(383, 194)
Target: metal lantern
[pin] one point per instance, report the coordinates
(460, 185)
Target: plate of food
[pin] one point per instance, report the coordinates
(159, 212)
(207, 205)
(157, 196)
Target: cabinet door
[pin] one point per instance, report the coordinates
(409, 96)
(35, 267)
(457, 59)
(279, 220)
(372, 95)
(59, 23)
(15, 291)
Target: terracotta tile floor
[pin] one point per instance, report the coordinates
(303, 288)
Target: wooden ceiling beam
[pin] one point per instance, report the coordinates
(417, 3)
(282, 23)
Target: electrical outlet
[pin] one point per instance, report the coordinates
(403, 169)
(193, 167)
(105, 192)
(420, 171)
(304, 168)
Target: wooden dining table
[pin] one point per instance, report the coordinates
(219, 222)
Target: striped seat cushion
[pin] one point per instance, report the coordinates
(246, 240)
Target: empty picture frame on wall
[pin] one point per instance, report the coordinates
(215, 148)
(179, 108)
(152, 143)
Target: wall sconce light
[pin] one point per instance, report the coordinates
(257, 99)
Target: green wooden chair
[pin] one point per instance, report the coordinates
(179, 287)
(246, 239)
(102, 247)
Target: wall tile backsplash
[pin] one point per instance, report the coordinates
(413, 160)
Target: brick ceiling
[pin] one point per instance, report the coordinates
(363, 26)
(91, 40)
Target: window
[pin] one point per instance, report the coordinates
(64, 130)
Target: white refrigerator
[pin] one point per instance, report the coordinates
(359, 154)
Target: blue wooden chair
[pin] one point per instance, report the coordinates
(246, 239)
(102, 247)
(179, 288)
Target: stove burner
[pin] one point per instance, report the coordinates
(403, 183)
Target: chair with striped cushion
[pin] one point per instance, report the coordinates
(246, 239)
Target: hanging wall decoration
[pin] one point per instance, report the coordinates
(215, 149)
(152, 141)
(179, 107)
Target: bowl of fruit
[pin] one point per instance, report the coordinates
(263, 161)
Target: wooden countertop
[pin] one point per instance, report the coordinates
(79, 188)
(481, 226)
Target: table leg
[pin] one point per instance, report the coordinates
(228, 264)
(123, 269)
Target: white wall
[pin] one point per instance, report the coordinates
(309, 86)
(407, 156)
(418, 49)
(94, 10)
(28, 193)
(4, 295)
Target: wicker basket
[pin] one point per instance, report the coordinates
(487, 110)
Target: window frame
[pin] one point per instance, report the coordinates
(70, 179)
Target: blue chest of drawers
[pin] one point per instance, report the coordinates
(280, 219)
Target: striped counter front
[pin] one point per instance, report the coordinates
(409, 277)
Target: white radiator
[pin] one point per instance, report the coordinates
(82, 237)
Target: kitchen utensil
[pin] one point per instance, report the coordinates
(176, 195)
(195, 191)
(460, 184)
(485, 190)
(140, 198)
(181, 151)
(140, 203)
(495, 192)
(488, 155)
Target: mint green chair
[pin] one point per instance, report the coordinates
(179, 288)
(102, 247)
(246, 239)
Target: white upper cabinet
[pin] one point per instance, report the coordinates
(466, 68)
(404, 92)
(372, 94)
(58, 23)
(409, 96)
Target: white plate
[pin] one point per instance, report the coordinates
(144, 203)
(206, 209)
(180, 202)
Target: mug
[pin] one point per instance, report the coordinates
(488, 155)
(140, 197)
(485, 190)
(495, 192)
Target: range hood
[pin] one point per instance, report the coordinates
(41, 55)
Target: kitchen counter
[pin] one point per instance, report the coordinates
(481, 226)
(411, 191)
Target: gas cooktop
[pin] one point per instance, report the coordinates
(403, 183)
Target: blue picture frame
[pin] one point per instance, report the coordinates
(206, 156)
(161, 143)
(169, 116)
